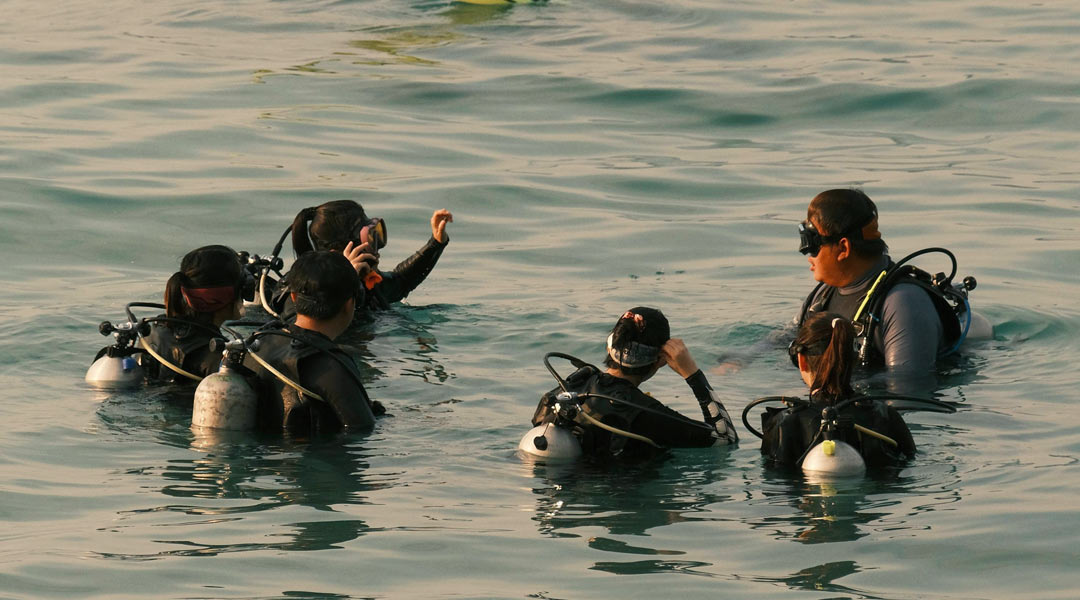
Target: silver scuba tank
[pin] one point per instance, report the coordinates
(833, 458)
(115, 372)
(225, 400)
(550, 442)
(117, 367)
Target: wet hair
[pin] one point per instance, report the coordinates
(332, 226)
(642, 325)
(827, 342)
(323, 282)
(209, 266)
(848, 213)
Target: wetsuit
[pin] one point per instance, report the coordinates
(187, 347)
(788, 433)
(910, 334)
(309, 362)
(671, 431)
(394, 287)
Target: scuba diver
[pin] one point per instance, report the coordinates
(904, 318)
(835, 414)
(343, 226)
(306, 383)
(174, 347)
(607, 413)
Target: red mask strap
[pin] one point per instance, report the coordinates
(208, 300)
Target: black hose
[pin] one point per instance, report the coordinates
(763, 400)
(131, 315)
(577, 362)
(675, 417)
(945, 251)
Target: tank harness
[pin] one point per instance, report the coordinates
(835, 421)
(950, 302)
(566, 409)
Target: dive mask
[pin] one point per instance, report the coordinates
(794, 349)
(374, 232)
(810, 241)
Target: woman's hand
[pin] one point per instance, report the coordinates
(439, 219)
(678, 358)
(361, 257)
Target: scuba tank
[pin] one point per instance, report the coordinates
(225, 400)
(555, 440)
(950, 300)
(834, 458)
(118, 365)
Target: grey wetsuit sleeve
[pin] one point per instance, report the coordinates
(910, 330)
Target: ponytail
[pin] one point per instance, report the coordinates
(827, 342)
(301, 242)
(175, 305)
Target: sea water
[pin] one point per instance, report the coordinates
(596, 155)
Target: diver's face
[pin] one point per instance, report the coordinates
(825, 266)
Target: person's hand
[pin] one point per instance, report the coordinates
(678, 358)
(439, 219)
(361, 257)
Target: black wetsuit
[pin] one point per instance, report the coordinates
(671, 431)
(789, 432)
(187, 347)
(394, 287)
(911, 332)
(308, 361)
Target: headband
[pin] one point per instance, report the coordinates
(634, 355)
(208, 300)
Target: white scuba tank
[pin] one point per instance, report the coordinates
(834, 458)
(225, 400)
(981, 328)
(115, 371)
(550, 442)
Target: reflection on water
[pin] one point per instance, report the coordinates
(242, 475)
(628, 500)
(845, 510)
(821, 578)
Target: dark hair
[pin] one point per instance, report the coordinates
(209, 266)
(845, 213)
(646, 326)
(333, 225)
(323, 282)
(827, 342)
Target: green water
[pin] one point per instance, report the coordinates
(596, 156)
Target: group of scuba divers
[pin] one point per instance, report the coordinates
(289, 375)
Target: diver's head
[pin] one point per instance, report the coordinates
(324, 287)
(633, 347)
(333, 225)
(840, 236)
(207, 287)
(825, 353)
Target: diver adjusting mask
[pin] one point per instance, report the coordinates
(374, 233)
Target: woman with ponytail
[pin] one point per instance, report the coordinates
(637, 347)
(343, 226)
(203, 294)
(823, 350)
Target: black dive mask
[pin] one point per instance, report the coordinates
(374, 233)
(795, 349)
(810, 241)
